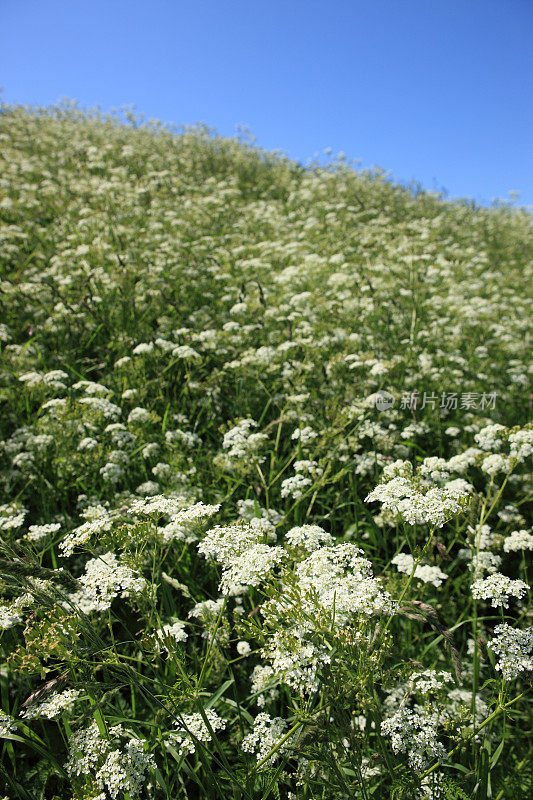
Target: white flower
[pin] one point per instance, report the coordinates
(54, 706)
(7, 724)
(304, 435)
(176, 631)
(105, 578)
(138, 416)
(193, 729)
(489, 438)
(309, 537)
(416, 735)
(521, 444)
(498, 589)
(9, 617)
(416, 505)
(142, 349)
(518, 540)
(243, 648)
(102, 521)
(295, 486)
(265, 736)
(404, 562)
(515, 649)
(38, 532)
(496, 463)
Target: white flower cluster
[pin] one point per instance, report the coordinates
(296, 660)
(339, 578)
(404, 562)
(515, 649)
(138, 416)
(295, 486)
(54, 705)
(420, 505)
(100, 521)
(104, 579)
(264, 684)
(245, 563)
(243, 648)
(7, 724)
(38, 532)
(491, 437)
(304, 435)
(116, 770)
(193, 729)
(518, 540)
(496, 462)
(266, 735)
(175, 631)
(521, 444)
(416, 735)
(11, 516)
(498, 589)
(430, 680)
(100, 405)
(309, 537)
(9, 616)
(484, 561)
(240, 444)
(157, 505)
(196, 512)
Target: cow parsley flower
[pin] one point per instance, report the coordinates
(7, 724)
(105, 578)
(175, 631)
(54, 706)
(309, 537)
(295, 486)
(518, 540)
(100, 521)
(521, 444)
(417, 505)
(416, 735)
(490, 438)
(125, 770)
(38, 532)
(9, 617)
(267, 733)
(404, 562)
(498, 589)
(193, 729)
(515, 649)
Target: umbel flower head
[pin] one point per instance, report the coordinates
(417, 503)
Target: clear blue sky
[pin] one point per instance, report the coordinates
(439, 91)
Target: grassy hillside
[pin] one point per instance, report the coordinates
(265, 464)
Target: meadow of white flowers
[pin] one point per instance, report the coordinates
(265, 463)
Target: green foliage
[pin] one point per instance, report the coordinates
(195, 334)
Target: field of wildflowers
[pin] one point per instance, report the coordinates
(265, 464)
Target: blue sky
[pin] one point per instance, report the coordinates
(437, 91)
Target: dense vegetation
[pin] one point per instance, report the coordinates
(265, 465)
